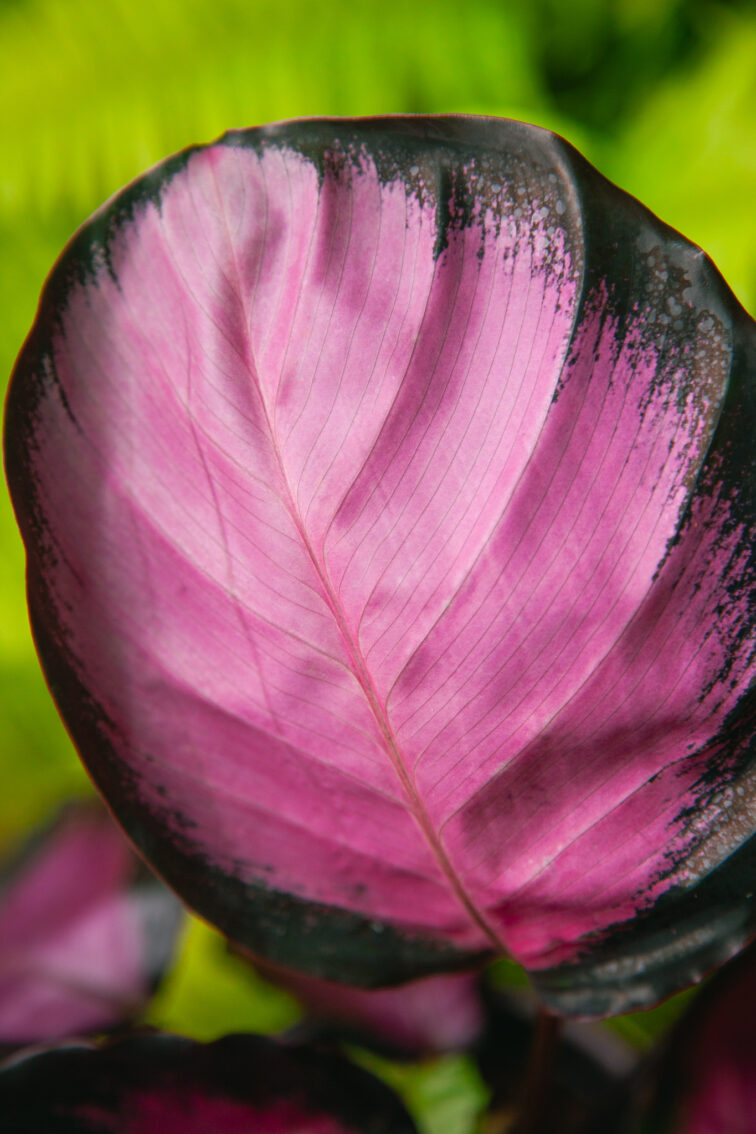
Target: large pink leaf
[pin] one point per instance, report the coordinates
(387, 487)
(85, 931)
(169, 1085)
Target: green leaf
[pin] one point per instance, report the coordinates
(690, 154)
(444, 1096)
(210, 992)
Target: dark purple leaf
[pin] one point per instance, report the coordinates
(705, 1081)
(169, 1085)
(387, 488)
(85, 931)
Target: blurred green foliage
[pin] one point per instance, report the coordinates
(444, 1094)
(659, 94)
(210, 993)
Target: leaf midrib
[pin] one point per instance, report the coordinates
(355, 656)
(363, 677)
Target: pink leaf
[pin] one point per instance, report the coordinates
(387, 490)
(84, 932)
(424, 1017)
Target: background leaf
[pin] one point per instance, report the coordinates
(209, 992)
(86, 932)
(147, 1084)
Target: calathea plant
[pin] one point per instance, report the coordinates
(388, 491)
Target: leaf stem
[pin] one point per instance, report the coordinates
(536, 1114)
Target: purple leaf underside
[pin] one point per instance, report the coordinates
(161, 1084)
(387, 491)
(85, 933)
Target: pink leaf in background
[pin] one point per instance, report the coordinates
(424, 1017)
(387, 491)
(85, 933)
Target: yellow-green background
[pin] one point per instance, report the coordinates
(659, 94)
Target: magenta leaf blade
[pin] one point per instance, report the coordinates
(387, 488)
